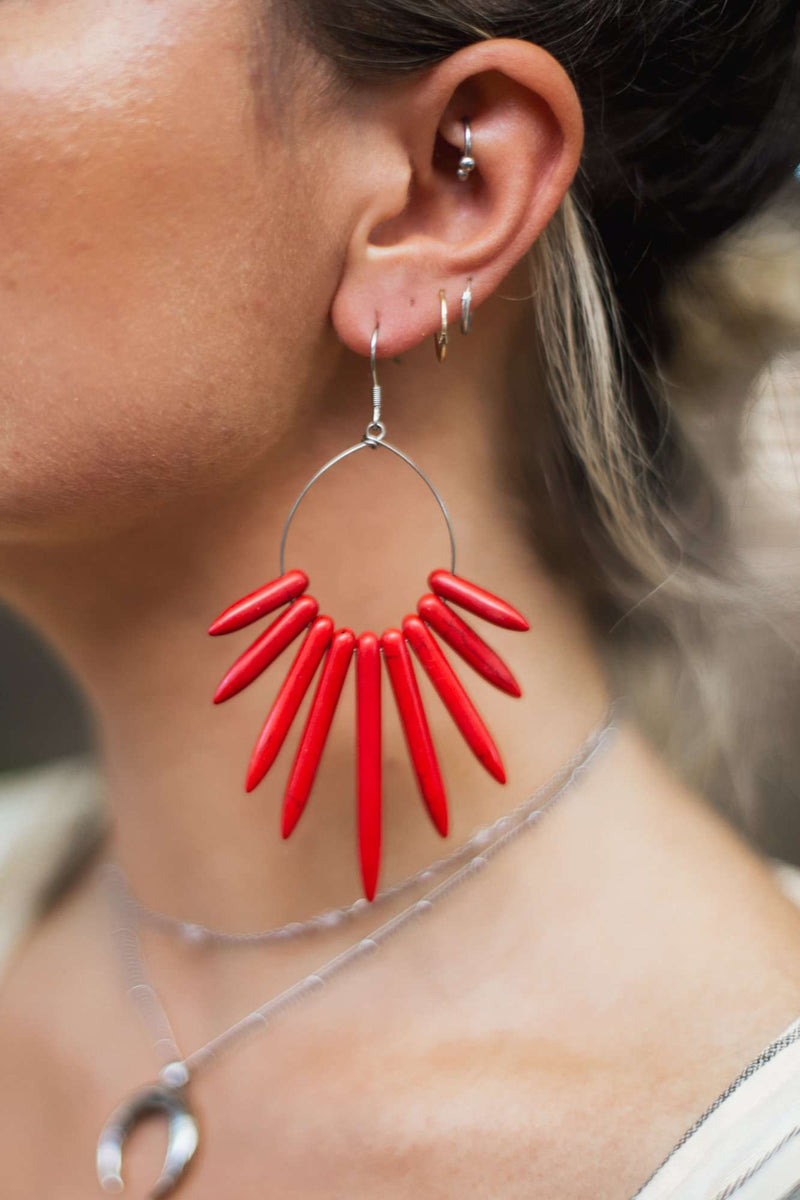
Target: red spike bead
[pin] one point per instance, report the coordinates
(483, 604)
(275, 638)
(260, 602)
(368, 724)
(315, 734)
(415, 726)
(465, 641)
(455, 698)
(288, 700)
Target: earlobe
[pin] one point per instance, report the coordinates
(527, 135)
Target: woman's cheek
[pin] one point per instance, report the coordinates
(137, 278)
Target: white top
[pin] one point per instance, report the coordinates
(745, 1145)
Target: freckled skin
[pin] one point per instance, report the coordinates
(151, 263)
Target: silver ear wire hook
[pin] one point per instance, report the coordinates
(466, 163)
(376, 430)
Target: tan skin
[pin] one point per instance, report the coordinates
(188, 285)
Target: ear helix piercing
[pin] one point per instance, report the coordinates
(466, 163)
(466, 307)
(440, 337)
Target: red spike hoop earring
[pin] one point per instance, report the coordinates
(335, 648)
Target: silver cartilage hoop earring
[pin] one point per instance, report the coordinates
(466, 163)
(440, 337)
(466, 307)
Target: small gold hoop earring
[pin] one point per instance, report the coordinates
(440, 337)
(466, 307)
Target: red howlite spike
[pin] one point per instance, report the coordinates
(452, 692)
(415, 726)
(288, 700)
(317, 728)
(260, 602)
(483, 604)
(465, 641)
(368, 723)
(266, 648)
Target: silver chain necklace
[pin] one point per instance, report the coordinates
(196, 934)
(168, 1097)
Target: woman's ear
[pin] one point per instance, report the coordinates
(417, 227)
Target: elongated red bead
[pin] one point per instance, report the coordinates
(456, 700)
(288, 700)
(368, 723)
(415, 726)
(465, 641)
(317, 728)
(273, 640)
(260, 602)
(483, 604)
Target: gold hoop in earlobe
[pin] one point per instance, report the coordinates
(440, 337)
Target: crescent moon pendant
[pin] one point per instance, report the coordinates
(183, 1137)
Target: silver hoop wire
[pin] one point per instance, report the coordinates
(371, 443)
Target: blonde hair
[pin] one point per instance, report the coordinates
(682, 630)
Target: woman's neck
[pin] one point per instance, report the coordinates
(129, 612)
